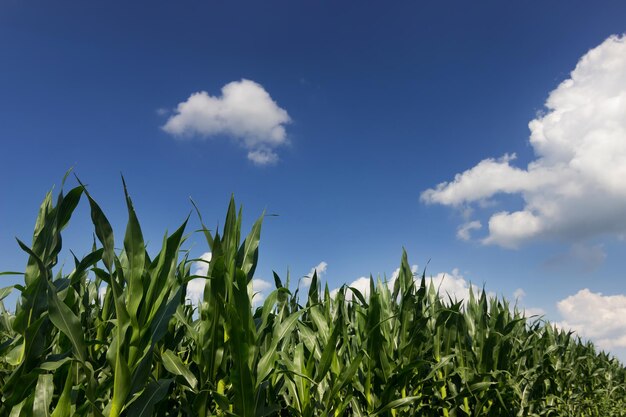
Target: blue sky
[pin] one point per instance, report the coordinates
(339, 117)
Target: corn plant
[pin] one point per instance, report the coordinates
(115, 337)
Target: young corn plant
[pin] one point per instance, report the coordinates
(115, 337)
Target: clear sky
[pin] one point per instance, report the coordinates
(488, 138)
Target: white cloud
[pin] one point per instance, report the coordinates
(321, 270)
(451, 284)
(575, 188)
(245, 112)
(195, 287)
(201, 267)
(534, 312)
(464, 231)
(600, 318)
(258, 290)
(362, 284)
(394, 276)
(102, 291)
(518, 296)
(263, 157)
(195, 290)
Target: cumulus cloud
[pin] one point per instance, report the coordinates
(263, 157)
(195, 287)
(320, 269)
(455, 286)
(362, 284)
(534, 312)
(464, 231)
(519, 295)
(102, 291)
(450, 285)
(394, 276)
(258, 290)
(600, 318)
(575, 188)
(245, 112)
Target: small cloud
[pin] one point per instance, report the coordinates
(466, 212)
(362, 284)
(259, 285)
(574, 189)
(245, 112)
(597, 317)
(195, 290)
(519, 295)
(451, 285)
(162, 111)
(394, 276)
(195, 287)
(464, 231)
(102, 291)
(454, 285)
(258, 288)
(263, 157)
(320, 269)
(201, 267)
(533, 312)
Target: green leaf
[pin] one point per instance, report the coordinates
(347, 375)
(327, 354)
(88, 261)
(21, 409)
(66, 321)
(175, 365)
(136, 254)
(249, 251)
(63, 407)
(121, 380)
(67, 206)
(154, 392)
(240, 374)
(43, 396)
(321, 324)
(280, 332)
(104, 231)
(400, 402)
(480, 386)
(55, 364)
(163, 315)
(4, 292)
(141, 372)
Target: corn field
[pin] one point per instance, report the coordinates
(139, 349)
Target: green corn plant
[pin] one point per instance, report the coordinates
(145, 295)
(115, 337)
